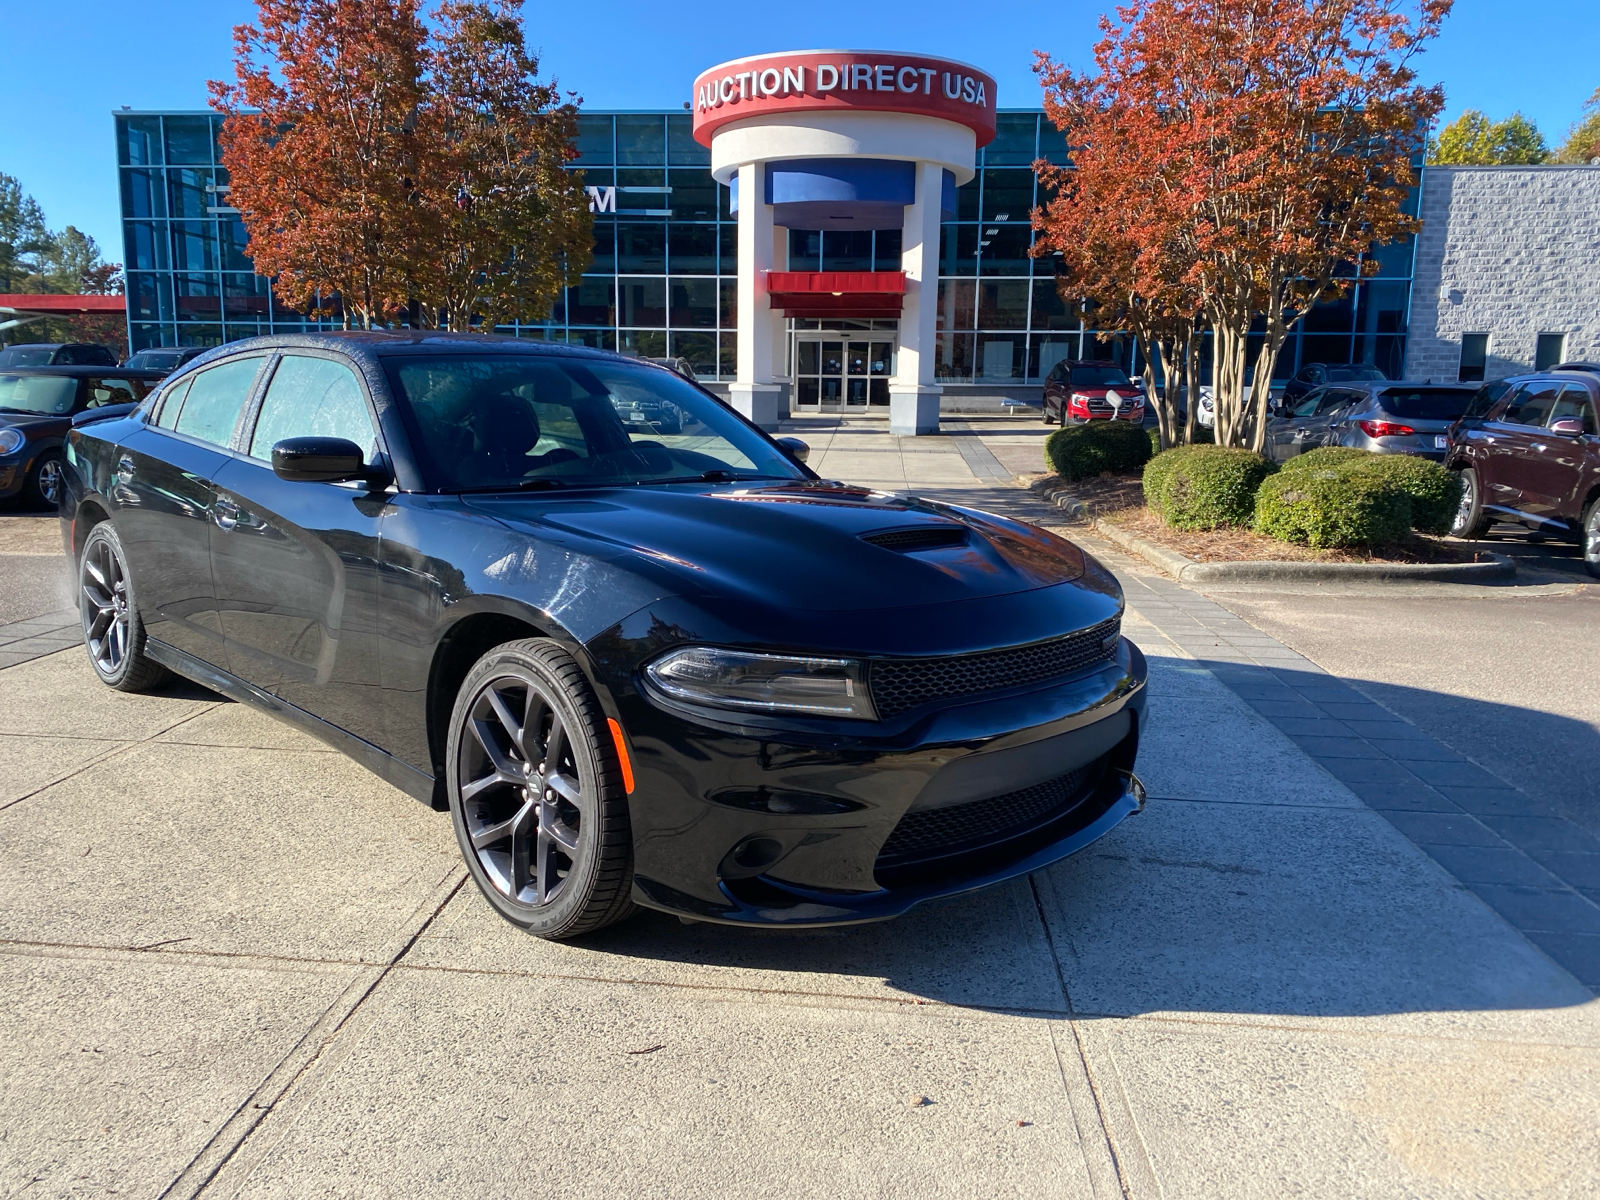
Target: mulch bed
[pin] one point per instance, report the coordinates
(1119, 499)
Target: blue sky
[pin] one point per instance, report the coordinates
(66, 64)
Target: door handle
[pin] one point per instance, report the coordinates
(225, 513)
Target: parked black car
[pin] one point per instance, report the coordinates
(37, 405)
(164, 358)
(1306, 425)
(1314, 375)
(676, 670)
(1528, 450)
(57, 354)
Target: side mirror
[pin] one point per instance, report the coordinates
(1567, 427)
(794, 448)
(320, 460)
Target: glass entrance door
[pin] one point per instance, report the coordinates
(835, 372)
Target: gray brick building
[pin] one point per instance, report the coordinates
(1507, 271)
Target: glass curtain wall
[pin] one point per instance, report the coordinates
(663, 281)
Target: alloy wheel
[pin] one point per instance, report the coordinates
(107, 623)
(1468, 502)
(1591, 539)
(521, 793)
(50, 481)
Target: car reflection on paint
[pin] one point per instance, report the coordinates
(638, 665)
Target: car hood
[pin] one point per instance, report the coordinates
(800, 545)
(35, 424)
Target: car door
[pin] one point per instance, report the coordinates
(1514, 435)
(295, 562)
(1286, 435)
(1559, 471)
(164, 491)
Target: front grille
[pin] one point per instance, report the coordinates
(901, 684)
(908, 541)
(937, 831)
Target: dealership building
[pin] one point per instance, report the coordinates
(826, 231)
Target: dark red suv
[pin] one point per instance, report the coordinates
(1079, 390)
(1528, 450)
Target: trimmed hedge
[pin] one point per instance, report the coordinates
(1435, 493)
(1080, 451)
(1203, 486)
(1325, 457)
(1347, 505)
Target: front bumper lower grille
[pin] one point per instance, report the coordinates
(938, 831)
(901, 684)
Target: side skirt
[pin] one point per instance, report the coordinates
(380, 762)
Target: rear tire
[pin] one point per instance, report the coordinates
(1590, 539)
(1470, 520)
(1048, 419)
(536, 793)
(113, 633)
(43, 487)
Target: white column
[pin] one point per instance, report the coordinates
(756, 392)
(913, 395)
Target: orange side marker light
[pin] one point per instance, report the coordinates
(622, 755)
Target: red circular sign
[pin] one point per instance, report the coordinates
(827, 80)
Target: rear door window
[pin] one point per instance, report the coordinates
(1435, 404)
(1532, 404)
(215, 398)
(313, 397)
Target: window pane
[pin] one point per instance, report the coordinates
(139, 141)
(198, 297)
(1003, 304)
(693, 196)
(235, 245)
(188, 194)
(1532, 404)
(727, 248)
(728, 303)
(847, 250)
(642, 302)
(1013, 143)
(1000, 356)
(1050, 309)
(1474, 357)
(592, 302)
(693, 249)
(694, 303)
(641, 246)
(641, 139)
(646, 343)
(605, 247)
(701, 351)
(956, 303)
(144, 194)
(953, 358)
(1007, 195)
(1550, 350)
(967, 199)
(312, 397)
(958, 250)
(144, 245)
(188, 140)
(805, 250)
(887, 250)
(1004, 250)
(594, 140)
(1046, 352)
(215, 397)
(194, 246)
(1330, 316)
(682, 149)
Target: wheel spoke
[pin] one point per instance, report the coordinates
(496, 778)
(512, 726)
(555, 741)
(508, 770)
(96, 574)
(524, 848)
(102, 618)
(551, 824)
(564, 787)
(500, 830)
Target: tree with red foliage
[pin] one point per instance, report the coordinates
(321, 151)
(1274, 138)
(508, 225)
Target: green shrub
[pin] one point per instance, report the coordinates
(1435, 493)
(1079, 451)
(1204, 486)
(1324, 457)
(1335, 507)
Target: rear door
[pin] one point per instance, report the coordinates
(164, 493)
(295, 562)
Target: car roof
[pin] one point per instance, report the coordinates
(384, 343)
(91, 370)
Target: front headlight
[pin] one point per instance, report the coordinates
(1079, 398)
(11, 440)
(827, 687)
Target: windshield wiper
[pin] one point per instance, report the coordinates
(708, 477)
(523, 485)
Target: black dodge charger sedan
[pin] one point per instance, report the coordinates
(636, 648)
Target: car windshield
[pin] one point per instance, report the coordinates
(156, 360)
(1344, 374)
(51, 394)
(1099, 377)
(1435, 404)
(27, 356)
(504, 421)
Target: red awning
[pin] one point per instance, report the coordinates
(859, 294)
(45, 305)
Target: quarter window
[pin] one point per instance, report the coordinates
(215, 397)
(313, 397)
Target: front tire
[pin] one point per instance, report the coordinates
(43, 486)
(536, 793)
(1470, 520)
(1590, 540)
(113, 633)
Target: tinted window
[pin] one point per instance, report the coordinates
(1337, 398)
(156, 360)
(1434, 405)
(1352, 373)
(312, 397)
(1531, 405)
(216, 395)
(1099, 377)
(96, 356)
(115, 391)
(1574, 402)
(51, 394)
(504, 421)
(1485, 398)
(27, 356)
(1308, 405)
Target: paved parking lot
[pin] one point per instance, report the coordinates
(236, 964)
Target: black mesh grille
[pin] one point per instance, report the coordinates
(899, 684)
(939, 830)
(908, 540)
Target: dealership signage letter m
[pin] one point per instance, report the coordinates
(602, 199)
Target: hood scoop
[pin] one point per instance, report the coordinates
(924, 537)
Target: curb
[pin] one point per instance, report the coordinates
(1185, 570)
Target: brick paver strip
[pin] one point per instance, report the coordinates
(24, 641)
(1535, 868)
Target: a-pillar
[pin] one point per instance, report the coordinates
(759, 390)
(913, 395)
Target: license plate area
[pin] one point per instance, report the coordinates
(1441, 441)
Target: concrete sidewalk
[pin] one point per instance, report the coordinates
(237, 965)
